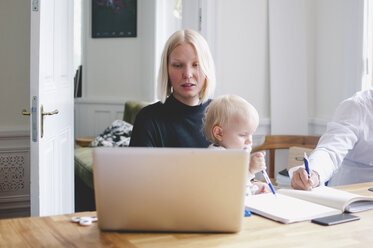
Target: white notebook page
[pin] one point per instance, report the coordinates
(286, 209)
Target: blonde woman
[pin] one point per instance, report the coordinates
(186, 83)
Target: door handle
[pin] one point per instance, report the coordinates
(25, 112)
(42, 118)
(54, 112)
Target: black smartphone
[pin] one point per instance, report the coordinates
(335, 219)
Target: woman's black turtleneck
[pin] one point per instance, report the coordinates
(170, 124)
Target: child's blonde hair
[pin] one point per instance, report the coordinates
(220, 110)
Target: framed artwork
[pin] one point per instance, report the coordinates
(114, 18)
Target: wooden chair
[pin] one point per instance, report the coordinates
(274, 142)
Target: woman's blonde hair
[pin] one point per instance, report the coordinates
(221, 109)
(205, 61)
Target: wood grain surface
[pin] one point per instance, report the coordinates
(59, 231)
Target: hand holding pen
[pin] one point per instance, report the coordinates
(306, 165)
(268, 182)
(305, 178)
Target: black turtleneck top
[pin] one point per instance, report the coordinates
(172, 124)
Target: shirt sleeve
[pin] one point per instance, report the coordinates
(340, 137)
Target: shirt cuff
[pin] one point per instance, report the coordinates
(250, 176)
(314, 167)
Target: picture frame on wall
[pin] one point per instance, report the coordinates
(114, 18)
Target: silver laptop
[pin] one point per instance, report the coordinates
(170, 189)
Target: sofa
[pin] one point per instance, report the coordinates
(84, 192)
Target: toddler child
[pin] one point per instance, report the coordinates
(229, 123)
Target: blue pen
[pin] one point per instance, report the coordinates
(268, 181)
(306, 165)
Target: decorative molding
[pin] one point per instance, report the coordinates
(14, 173)
(14, 202)
(15, 206)
(317, 126)
(14, 140)
(15, 133)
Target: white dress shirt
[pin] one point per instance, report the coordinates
(344, 154)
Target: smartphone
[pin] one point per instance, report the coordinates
(370, 189)
(335, 219)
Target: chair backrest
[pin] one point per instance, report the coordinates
(296, 155)
(274, 142)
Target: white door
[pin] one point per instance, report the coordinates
(51, 72)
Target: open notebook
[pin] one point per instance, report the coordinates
(290, 205)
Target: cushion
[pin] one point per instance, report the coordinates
(118, 134)
(83, 164)
(131, 108)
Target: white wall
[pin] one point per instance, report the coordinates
(14, 96)
(120, 68)
(338, 45)
(166, 23)
(124, 68)
(242, 51)
(315, 62)
(330, 62)
(14, 64)
(324, 69)
(289, 60)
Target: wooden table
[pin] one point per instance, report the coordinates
(59, 231)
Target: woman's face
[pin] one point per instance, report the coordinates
(185, 74)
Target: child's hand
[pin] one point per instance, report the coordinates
(257, 162)
(262, 188)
